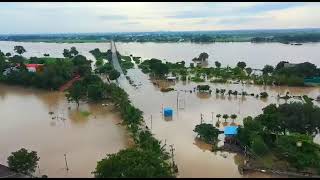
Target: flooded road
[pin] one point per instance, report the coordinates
(26, 122)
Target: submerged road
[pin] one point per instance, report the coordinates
(115, 60)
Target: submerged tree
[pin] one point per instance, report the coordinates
(207, 132)
(133, 163)
(225, 117)
(75, 93)
(19, 49)
(23, 161)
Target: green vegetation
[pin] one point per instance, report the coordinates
(285, 36)
(285, 132)
(70, 53)
(154, 66)
(132, 162)
(203, 87)
(54, 73)
(19, 49)
(23, 161)
(125, 62)
(207, 132)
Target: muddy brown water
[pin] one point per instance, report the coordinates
(26, 122)
(195, 158)
(85, 140)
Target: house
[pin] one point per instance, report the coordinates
(34, 67)
(230, 132)
(168, 112)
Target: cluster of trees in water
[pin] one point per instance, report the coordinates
(284, 73)
(286, 132)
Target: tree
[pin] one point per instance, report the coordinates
(267, 69)
(217, 64)
(132, 163)
(233, 117)
(207, 132)
(66, 53)
(225, 117)
(114, 74)
(264, 95)
(203, 87)
(258, 145)
(19, 49)
(241, 64)
(280, 65)
(218, 116)
(76, 92)
(203, 56)
(8, 54)
(73, 51)
(96, 91)
(249, 71)
(23, 161)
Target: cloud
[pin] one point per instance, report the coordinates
(113, 17)
(58, 17)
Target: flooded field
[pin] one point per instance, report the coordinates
(26, 122)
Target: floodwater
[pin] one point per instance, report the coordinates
(256, 55)
(194, 157)
(26, 122)
(96, 137)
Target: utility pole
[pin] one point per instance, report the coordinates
(212, 117)
(39, 169)
(65, 159)
(172, 154)
(177, 100)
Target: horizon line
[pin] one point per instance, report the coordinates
(65, 33)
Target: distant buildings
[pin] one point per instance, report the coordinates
(34, 67)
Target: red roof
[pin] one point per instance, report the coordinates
(34, 65)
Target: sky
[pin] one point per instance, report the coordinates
(86, 17)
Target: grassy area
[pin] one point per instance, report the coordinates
(85, 113)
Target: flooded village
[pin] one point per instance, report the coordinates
(70, 139)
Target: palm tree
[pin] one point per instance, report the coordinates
(233, 117)
(225, 117)
(218, 116)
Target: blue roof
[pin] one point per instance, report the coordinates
(167, 109)
(230, 130)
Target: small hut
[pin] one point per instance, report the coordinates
(230, 132)
(168, 112)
